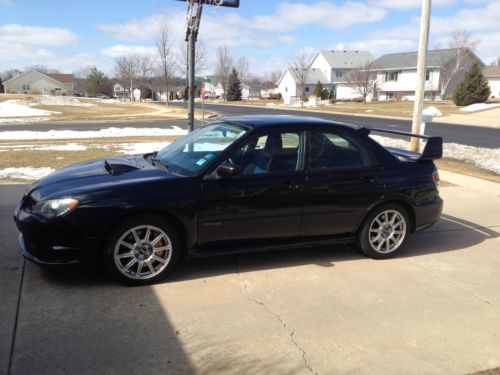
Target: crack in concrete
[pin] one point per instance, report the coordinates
(291, 332)
(457, 285)
(16, 321)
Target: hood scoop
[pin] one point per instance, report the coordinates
(115, 166)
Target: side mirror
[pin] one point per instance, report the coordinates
(227, 171)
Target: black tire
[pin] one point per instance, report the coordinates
(139, 224)
(367, 240)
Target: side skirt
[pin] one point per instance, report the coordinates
(295, 244)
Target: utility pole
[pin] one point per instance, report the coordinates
(191, 38)
(421, 70)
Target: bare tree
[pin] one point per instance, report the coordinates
(8, 74)
(299, 65)
(43, 69)
(243, 69)
(463, 45)
(200, 58)
(126, 71)
(363, 80)
(166, 57)
(223, 67)
(144, 70)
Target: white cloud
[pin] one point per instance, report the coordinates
(36, 35)
(120, 50)
(379, 46)
(408, 4)
(33, 45)
(262, 31)
(291, 16)
(287, 39)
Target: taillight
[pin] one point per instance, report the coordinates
(435, 178)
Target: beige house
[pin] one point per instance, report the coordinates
(33, 82)
(492, 75)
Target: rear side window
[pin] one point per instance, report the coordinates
(329, 150)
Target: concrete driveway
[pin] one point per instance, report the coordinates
(434, 310)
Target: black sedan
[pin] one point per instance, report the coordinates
(239, 184)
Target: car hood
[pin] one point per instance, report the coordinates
(96, 175)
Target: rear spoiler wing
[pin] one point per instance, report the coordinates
(433, 149)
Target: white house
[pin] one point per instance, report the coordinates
(120, 92)
(328, 67)
(397, 74)
(492, 75)
(34, 82)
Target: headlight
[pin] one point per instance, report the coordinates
(54, 207)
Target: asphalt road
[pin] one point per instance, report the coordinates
(468, 135)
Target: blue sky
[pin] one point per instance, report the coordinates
(69, 35)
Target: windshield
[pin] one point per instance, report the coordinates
(187, 155)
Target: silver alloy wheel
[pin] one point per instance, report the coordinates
(387, 231)
(143, 252)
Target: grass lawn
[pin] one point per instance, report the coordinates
(100, 109)
(394, 109)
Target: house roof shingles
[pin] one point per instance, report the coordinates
(313, 76)
(492, 71)
(346, 59)
(63, 78)
(409, 59)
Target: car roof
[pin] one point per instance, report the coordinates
(256, 121)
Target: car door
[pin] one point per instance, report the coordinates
(343, 181)
(263, 201)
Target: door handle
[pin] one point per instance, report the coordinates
(291, 185)
(368, 179)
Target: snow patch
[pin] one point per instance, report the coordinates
(13, 108)
(140, 148)
(481, 157)
(479, 107)
(432, 111)
(103, 133)
(25, 173)
(58, 100)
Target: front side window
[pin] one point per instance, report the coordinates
(274, 152)
(329, 150)
(189, 154)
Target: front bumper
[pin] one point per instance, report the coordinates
(52, 243)
(32, 258)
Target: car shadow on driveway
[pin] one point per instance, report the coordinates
(447, 235)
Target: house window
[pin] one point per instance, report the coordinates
(306, 89)
(389, 96)
(428, 74)
(26, 87)
(391, 76)
(286, 89)
(339, 73)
